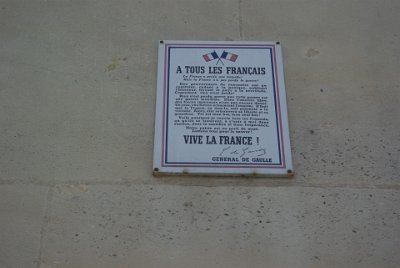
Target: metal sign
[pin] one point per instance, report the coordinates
(221, 109)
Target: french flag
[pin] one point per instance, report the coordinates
(210, 56)
(229, 56)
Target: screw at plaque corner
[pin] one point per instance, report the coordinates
(161, 42)
(278, 43)
(155, 169)
(289, 171)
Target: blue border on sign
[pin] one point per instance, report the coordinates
(223, 163)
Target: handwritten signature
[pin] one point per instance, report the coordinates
(243, 151)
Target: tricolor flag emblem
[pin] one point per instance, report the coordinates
(210, 56)
(229, 56)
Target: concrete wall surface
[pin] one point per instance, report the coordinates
(77, 103)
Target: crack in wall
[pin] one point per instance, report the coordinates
(44, 225)
(240, 20)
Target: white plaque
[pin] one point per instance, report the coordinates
(221, 109)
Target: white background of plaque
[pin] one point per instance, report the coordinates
(173, 156)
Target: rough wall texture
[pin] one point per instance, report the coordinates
(77, 99)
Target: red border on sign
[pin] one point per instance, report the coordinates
(278, 108)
